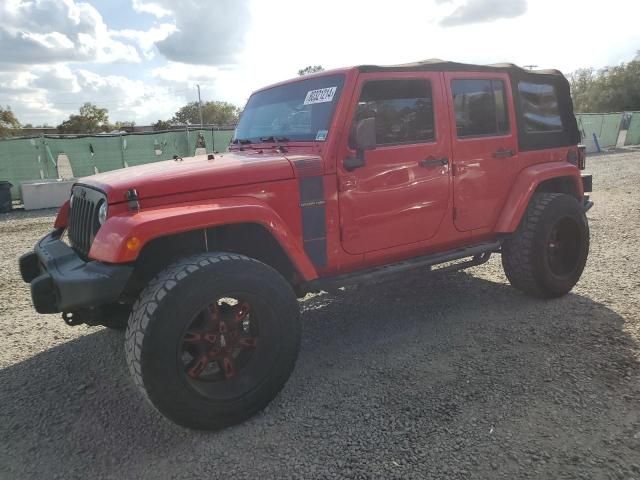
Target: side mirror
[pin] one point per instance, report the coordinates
(365, 139)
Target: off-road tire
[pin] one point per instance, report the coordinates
(165, 307)
(525, 252)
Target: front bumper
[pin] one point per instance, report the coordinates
(61, 281)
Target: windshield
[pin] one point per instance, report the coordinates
(297, 112)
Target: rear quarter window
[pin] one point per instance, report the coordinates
(540, 110)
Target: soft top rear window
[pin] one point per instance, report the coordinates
(540, 110)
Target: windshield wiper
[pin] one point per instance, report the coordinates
(241, 141)
(272, 139)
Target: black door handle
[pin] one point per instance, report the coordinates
(502, 153)
(434, 162)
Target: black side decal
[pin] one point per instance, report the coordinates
(314, 219)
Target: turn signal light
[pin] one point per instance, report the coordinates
(133, 243)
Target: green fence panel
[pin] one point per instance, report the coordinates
(24, 159)
(605, 126)
(36, 158)
(611, 123)
(589, 124)
(633, 133)
(148, 148)
(221, 140)
(88, 155)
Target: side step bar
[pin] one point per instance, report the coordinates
(479, 254)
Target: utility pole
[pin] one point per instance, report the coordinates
(200, 106)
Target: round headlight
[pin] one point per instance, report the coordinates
(102, 213)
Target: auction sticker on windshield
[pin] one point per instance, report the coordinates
(320, 95)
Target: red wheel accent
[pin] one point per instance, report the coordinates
(212, 315)
(196, 337)
(228, 367)
(192, 337)
(210, 337)
(242, 310)
(198, 367)
(247, 342)
(220, 334)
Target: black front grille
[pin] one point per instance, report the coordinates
(83, 218)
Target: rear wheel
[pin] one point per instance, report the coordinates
(213, 339)
(545, 257)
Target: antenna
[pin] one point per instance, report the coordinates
(530, 67)
(199, 105)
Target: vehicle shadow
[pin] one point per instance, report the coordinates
(430, 352)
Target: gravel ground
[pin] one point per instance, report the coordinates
(450, 376)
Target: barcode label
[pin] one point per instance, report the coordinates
(321, 95)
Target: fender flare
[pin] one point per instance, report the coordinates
(110, 243)
(525, 186)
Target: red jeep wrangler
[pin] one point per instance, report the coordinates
(331, 179)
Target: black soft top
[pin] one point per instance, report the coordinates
(527, 141)
(437, 65)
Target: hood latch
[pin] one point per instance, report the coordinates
(132, 200)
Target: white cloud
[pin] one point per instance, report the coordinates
(49, 31)
(146, 40)
(207, 33)
(54, 80)
(151, 7)
(50, 93)
(231, 52)
(478, 11)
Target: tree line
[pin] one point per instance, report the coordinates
(93, 119)
(611, 89)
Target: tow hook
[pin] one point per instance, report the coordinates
(90, 316)
(72, 319)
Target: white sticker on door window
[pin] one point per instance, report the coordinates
(321, 136)
(320, 95)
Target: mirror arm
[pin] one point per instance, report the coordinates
(351, 163)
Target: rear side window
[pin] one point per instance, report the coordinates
(403, 110)
(480, 107)
(540, 109)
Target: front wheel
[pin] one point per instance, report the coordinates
(213, 339)
(545, 257)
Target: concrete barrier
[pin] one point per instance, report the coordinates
(45, 193)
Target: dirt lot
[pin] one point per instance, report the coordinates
(451, 376)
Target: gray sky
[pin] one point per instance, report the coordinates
(141, 59)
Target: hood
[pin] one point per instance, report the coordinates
(192, 174)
